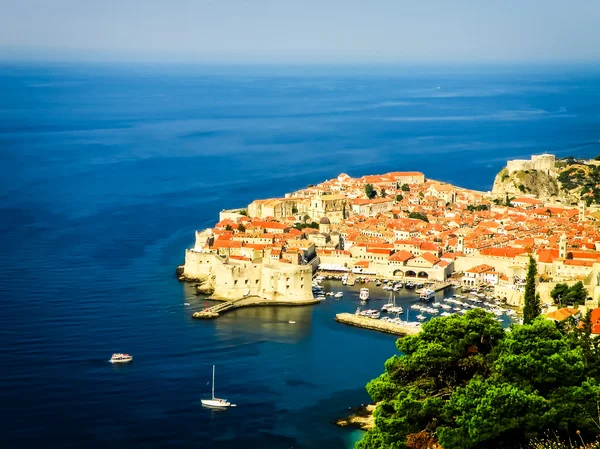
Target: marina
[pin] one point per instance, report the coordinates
(408, 308)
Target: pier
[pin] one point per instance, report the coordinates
(401, 329)
(438, 286)
(248, 301)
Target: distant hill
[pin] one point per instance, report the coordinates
(570, 180)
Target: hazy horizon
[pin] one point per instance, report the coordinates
(283, 32)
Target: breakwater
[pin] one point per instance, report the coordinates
(377, 325)
(254, 301)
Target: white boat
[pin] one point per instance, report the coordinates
(371, 313)
(421, 317)
(364, 294)
(338, 295)
(395, 309)
(427, 295)
(292, 322)
(391, 303)
(121, 358)
(216, 402)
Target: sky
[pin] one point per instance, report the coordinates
(301, 31)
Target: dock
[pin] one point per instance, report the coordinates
(248, 301)
(401, 329)
(438, 286)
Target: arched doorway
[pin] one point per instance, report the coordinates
(423, 275)
(398, 273)
(410, 274)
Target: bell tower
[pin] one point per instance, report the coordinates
(562, 247)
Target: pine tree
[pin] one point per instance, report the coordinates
(531, 306)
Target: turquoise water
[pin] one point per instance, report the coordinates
(107, 172)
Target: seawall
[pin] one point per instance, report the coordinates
(376, 325)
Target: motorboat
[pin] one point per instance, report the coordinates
(427, 295)
(364, 294)
(121, 358)
(409, 285)
(421, 317)
(338, 295)
(216, 402)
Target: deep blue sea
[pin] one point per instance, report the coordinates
(107, 171)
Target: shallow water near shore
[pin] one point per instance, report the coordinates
(107, 172)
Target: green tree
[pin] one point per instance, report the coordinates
(294, 210)
(370, 191)
(486, 411)
(399, 197)
(405, 188)
(383, 193)
(564, 295)
(228, 228)
(468, 383)
(241, 228)
(244, 212)
(418, 216)
(531, 301)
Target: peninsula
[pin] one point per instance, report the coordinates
(401, 225)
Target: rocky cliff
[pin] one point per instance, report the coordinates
(531, 182)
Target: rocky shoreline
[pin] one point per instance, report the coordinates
(361, 419)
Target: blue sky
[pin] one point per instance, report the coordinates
(302, 31)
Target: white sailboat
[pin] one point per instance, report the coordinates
(216, 402)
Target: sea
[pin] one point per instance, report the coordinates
(107, 170)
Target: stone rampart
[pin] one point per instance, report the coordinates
(233, 279)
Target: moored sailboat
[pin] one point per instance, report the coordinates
(216, 402)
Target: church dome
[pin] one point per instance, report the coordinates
(325, 221)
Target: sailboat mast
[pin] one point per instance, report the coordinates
(213, 384)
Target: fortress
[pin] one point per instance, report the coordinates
(543, 162)
(233, 279)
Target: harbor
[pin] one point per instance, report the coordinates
(407, 307)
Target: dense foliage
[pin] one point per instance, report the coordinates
(564, 295)
(469, 384)
(370, 191)
(478, 207)
(531, 301)
(418, 216)
(582, 176)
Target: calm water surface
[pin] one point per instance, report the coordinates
(106, 173)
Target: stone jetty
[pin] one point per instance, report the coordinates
(250, 301)
(377, 325)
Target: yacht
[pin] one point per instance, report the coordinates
(427, 295)
(216, 402)
(370, 313)
(364, 294)
(338, 295)
(421, 317)
(121, 358)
